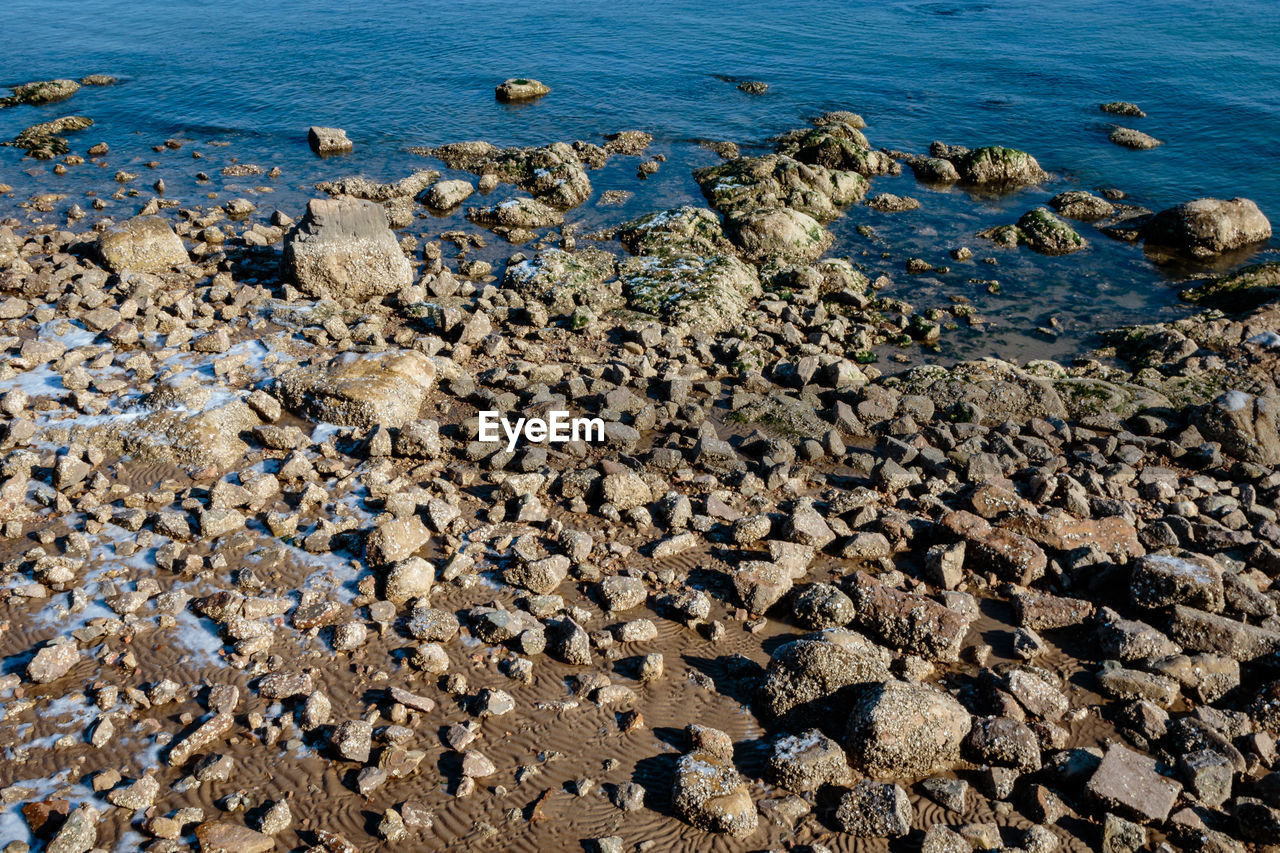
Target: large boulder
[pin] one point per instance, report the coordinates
(143, 244)
(779, 233)
(1208, 226)
(1245, 425)
(707, 294)
(686, 230)
(905, 731)
(343, 248)
(361, 390)
(563, 279)
(750, 183)
(809, 679)
(996, 164)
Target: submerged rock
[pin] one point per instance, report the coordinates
(553, 174)
(145, 244)
(520, 89)
(1127, 137)
(1077, 204)
(1208, 226)
(343, 248)
(1122, 108)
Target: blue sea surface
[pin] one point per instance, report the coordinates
(414, 73)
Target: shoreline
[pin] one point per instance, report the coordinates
(263, 583)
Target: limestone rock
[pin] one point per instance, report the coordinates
(343, 248)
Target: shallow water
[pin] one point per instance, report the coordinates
(422, 73)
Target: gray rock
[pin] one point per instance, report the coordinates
(144, 244)
(387, 389)
(1128, 781)
(1127, 137)
(805, 762)
(328, 140)
(875, 810)
(808, 679)
(905, 731)
(1159, 580)
(1246, 425)
(709, 793)
(1208, 226)
(343, 248)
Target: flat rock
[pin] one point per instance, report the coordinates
(386, 389)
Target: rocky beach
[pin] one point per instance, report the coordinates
(828, 581)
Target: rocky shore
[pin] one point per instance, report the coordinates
(263, 586)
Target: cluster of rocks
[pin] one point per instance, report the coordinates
(320, 399)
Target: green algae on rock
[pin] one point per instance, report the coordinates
(1243, 289)
(704, 293)
(1039, 230)
(563, 280)
(751, 183)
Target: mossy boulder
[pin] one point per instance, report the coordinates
(1081, 205)
(1047, 234)
(838, 146)
(564, 280)
(998, 165)
(779, 234)
(1241, 290)
(1040, 231)
(703, 293)
(686, 230)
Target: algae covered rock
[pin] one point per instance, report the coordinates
(708, 293)
(1241, 290)
(520, 89)
(562, 280)
(751, 183)
(1047, 234)
(996, 164)
(683, 230)
(779, 233)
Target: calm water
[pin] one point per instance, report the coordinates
(422, 73)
